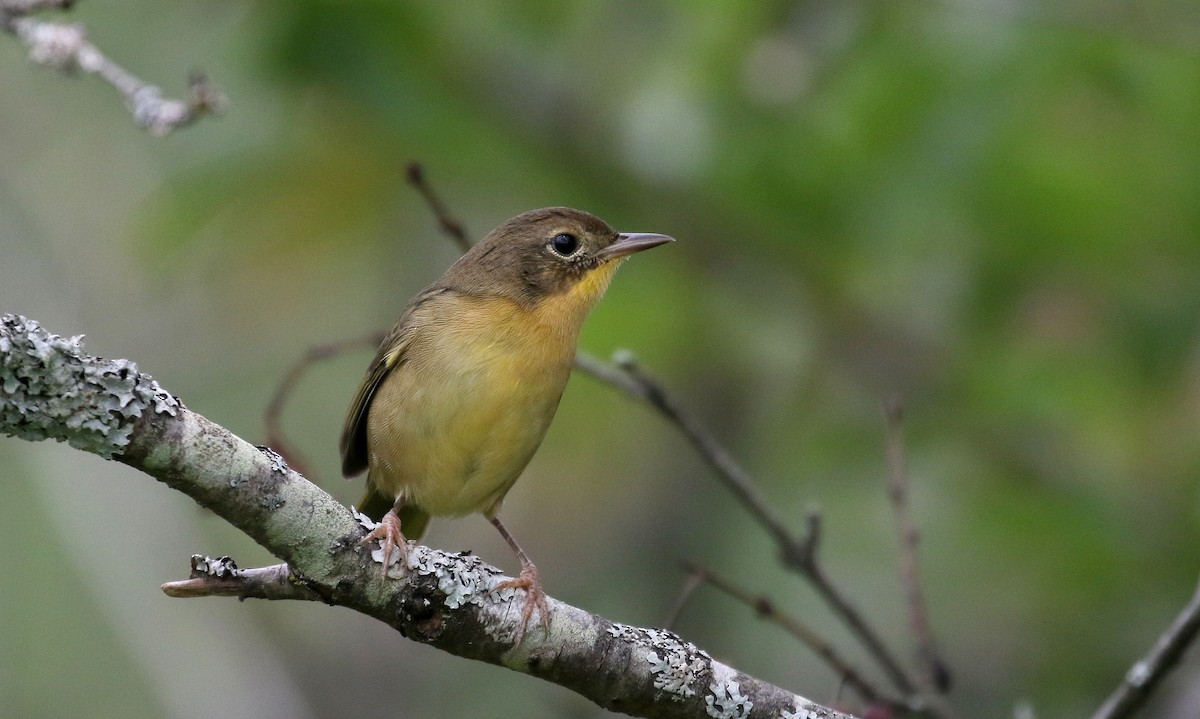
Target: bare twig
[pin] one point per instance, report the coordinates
(450, 225)
(66, 48)
(766, 609)
(1145, 675)
(640, 385)
(274, 414)
(797, 552)
(690, 585)
(937, 674)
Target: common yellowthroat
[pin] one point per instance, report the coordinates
(463, 388)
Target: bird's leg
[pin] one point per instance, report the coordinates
(529, 580)
(388, 530)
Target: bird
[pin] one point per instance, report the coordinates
(463, 388)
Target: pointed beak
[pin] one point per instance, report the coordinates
(630, 242)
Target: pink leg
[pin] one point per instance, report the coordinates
(529, 580)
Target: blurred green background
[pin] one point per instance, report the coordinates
(987, 208)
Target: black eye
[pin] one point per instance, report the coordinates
(565, 244)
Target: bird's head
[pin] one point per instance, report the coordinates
(553, 254)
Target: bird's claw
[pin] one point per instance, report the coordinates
(531, 581)
(388, 530)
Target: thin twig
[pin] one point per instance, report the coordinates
(273, 417)
(937, 674)
(797, 552)
(450, 225)
(65, 47)
(640, 385)
(693, 581)
(767, 610)
(1142, 678)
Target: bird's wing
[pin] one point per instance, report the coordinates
(390, 356)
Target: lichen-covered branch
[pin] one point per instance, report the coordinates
(221, 577)
(65, 47)
(51, 389)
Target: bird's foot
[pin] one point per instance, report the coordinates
(531, 581)
(388, 530)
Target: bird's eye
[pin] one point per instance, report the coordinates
(565, 244)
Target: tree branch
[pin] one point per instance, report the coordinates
(66, 48)
(51, 389)
(1145, 675)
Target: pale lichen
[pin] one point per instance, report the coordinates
(725, 699)
(221, 567)
(677, 665)
(51, 389)
(808, 711)
(463, 577)
(278, 463)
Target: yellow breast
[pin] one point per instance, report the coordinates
(454, 424)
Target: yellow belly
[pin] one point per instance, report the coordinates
(455, 424)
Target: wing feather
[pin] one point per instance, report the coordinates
(353, 444)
